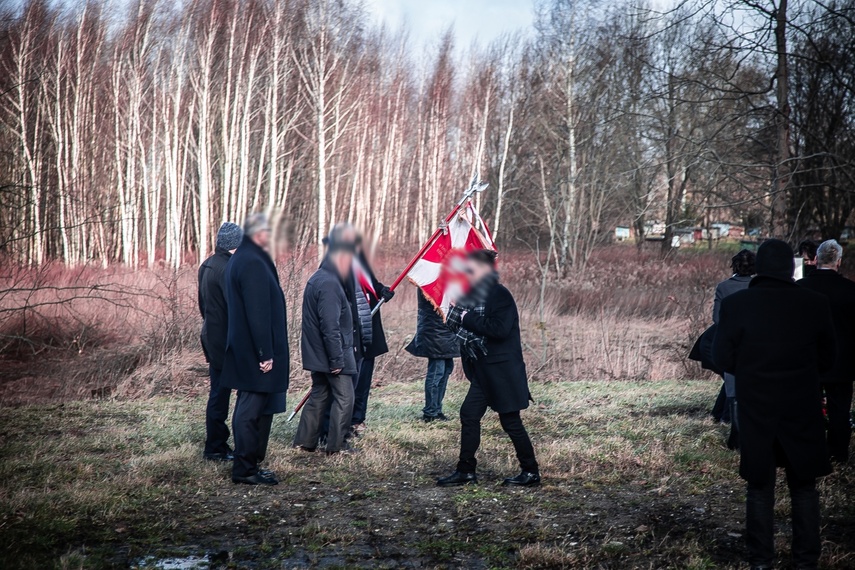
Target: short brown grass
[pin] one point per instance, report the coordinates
(636, 476)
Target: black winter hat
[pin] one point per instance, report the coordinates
(775, 259)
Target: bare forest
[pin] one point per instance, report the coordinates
(130, 130)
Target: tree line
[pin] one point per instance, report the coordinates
(127, 134)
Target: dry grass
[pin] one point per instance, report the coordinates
(636, 476)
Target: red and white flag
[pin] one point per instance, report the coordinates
(465, 232)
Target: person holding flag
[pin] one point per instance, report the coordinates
(486, 322)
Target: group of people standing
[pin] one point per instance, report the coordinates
(245, 340)
(785, 349)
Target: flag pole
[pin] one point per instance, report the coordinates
(475, 186)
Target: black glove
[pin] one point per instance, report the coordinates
(386, 294)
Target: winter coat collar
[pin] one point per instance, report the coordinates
(770, 282)
(223, 251)
(741, 278)
(253, 248)
(327, 265)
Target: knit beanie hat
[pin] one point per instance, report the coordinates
(775, 259)
(229, 236)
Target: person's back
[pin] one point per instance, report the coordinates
(215, 325)
(837, 383)
(212, 305)
(777, 338)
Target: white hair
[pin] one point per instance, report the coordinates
(829, 253)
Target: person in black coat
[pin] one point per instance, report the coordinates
(837, 383)
(777, 339)
(377, 346)
(434, 341)
(742, 265)
(215, 328)
(486, 323)
(257, 361)
(328, 348)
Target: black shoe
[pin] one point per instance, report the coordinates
(306, 449)
(442, 418)
(524, 479)
(456, 479)
(257, 479)
(228, 456)
(267, 473)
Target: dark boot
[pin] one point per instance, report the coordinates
(456, 479)
(524, 479)
(733, 440)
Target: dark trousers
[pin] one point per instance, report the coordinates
(216, 414)
(760, 522)
(361, 391)
(325, 426)
(326, 387)
(473, 409)
(251, 426)
(838, 402)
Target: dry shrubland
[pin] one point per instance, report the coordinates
(95, 332)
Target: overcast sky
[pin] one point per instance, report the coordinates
(483, 20)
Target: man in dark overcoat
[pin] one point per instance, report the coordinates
(487, 325)
(436, 342)
(327, 346)
(257, 362)
(777, 338)
(837, 383)
(215, 328)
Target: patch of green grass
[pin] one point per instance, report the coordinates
(98, 484)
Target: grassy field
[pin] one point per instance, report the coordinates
(635, 476)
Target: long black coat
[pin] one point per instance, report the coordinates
(777, 338)
(433, 339)
(257, 323)
(841, 295)
(328, 328)
(501, 372)
(213, 307)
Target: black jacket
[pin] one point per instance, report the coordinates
(328, 329)
(777, 338)
(433, 339)
(841, 296)
(501, 372)
(378, 344)
(213, 307)
(257, 323)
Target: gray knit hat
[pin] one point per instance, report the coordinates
(229, 236)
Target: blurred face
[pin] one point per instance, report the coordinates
(476, 270)
(807, 260)
(262, 239)
(343, 261)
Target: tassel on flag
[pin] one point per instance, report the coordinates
(463, 233)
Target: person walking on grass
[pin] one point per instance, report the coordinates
(257, 362)
(742, 265)
(486, 323)
(434, 341)
(777, 339)
(837, 384)
(215, 328)
(327, 345)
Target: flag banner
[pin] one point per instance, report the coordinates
(437, 272)
(364, 280)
